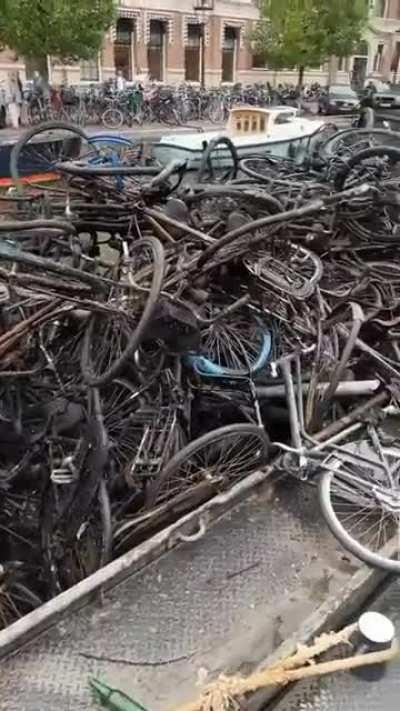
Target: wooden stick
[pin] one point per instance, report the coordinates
(322, 644)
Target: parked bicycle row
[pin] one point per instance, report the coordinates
(164, 337)
(136, 105)
(115, 104)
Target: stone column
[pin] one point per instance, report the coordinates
(175, 53)
(107, 57)
(244, 55)
(387, 59)
(213, 56)
(141, 57)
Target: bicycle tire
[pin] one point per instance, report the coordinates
(91, 169)
(340, 533)
(175, 166)
(110, 149)
(206, 161)
(138, 334)
(21, 144)
(205, 442)
(112, 139)
(327, 148)
(112, 118)
(243, 165)
(390, 151)
(215, 114)
(205, 367)
(260, 200)
(62, 226)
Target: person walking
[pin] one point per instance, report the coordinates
(3, 104)
(14, 99)
(40, 86)
(120, 82)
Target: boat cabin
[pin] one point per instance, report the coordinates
(252, 121)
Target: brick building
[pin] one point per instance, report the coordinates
(162, 40)
(173, 40)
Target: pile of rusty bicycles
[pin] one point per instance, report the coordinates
(165, 335)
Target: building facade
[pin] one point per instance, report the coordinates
(169, 41)
(173, 41)
(378, 56)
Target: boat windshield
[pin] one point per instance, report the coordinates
(284, 117)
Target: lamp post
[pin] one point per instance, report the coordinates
(202, 7)
(397, 57)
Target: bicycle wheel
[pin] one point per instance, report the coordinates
(113, 150)
(371, 164)
(359, 493)
(16, 598)
(68, 559)
(219, 161)
(218, 206)
(218, 458)
(346, 139)
(35, 156)
(234, 346)
(112, 118)
(34, 115)
(216, 113)
(261, 168)
(111, 339)
(120, 400)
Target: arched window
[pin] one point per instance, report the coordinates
(123, 47)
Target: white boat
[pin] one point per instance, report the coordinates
(278, 131)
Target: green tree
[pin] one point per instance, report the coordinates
(68, 29)
(305, 33)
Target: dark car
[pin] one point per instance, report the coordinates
(338, 99)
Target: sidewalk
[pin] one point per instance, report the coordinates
(155, 131)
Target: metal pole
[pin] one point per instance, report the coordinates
(352, 388)
(202, 55)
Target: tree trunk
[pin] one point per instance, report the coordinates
(38, 64)
(301, 76)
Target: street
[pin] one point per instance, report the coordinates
(154, 132)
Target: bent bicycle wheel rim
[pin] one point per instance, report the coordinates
(214, 158)
(115, 332)
(220, 458)
(361, 527)
(35, 156)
